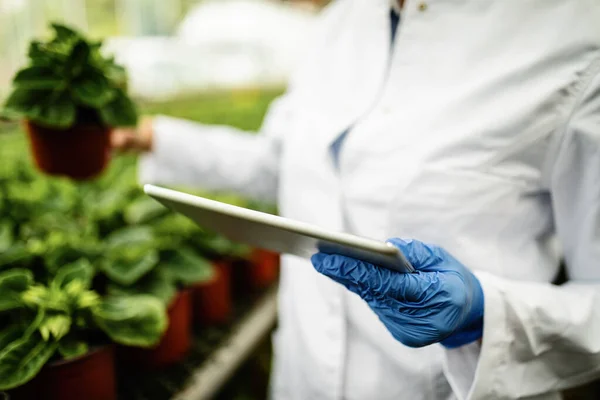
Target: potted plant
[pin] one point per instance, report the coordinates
(70, 96)
(191, 256)
(55, 221)
(55, 343)
(137, 261)
(212, 296)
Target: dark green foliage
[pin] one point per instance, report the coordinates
(69, 81)
(47, 223)
(59, 240)
(41, 318)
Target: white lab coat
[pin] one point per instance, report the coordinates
(480, 133)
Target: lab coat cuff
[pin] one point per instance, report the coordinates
(474, 371)
(159, 166)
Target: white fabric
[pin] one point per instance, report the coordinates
(482, 136)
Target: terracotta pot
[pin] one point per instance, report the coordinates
(175, 343)
(80, 152)
(264, 268)
(90, 377)
(212, 299)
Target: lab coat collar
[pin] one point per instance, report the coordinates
(376, 18)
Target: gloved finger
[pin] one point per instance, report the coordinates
(359, 276)
(419, 254)
(350, 270)
(326, 265)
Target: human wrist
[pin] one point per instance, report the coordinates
(145, 134)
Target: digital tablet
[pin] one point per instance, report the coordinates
(278, 234)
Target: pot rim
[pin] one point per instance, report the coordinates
(92, 352)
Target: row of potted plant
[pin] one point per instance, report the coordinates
(90, 264)
(123, 252)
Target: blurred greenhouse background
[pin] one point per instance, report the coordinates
(172, 47)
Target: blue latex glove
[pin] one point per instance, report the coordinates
(441, 302)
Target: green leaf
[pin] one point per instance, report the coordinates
(81, 270)
(21, 360)
(84, 299)
(144, 209)
(12, 284)
(94, 90)
(37, 77)
(95, 47)
(187, 267)
(130, 265)
(106, 204)
(62, 248)
(77, 58)
(55, 326)
(129, 236)
(59, 113)
(160, 286)
(34, 323)
(38, 296)
(10, 334)
(129, 254)
(116, 74)
(177, 224)
(6, 235)
(18, 253)
(70, 348)
(10, 115)
(120, 111)
(64, 33)
(47, 55)
(132, 320)
(37, 55)
(155, 284)
(23, 102)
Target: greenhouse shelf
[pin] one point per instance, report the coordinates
(216, 354)
(211, 376)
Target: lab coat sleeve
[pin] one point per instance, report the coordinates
(217, 158)
(540, 338)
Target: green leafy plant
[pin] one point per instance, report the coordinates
(128, 237)
(60, 317)
(153, 256)
(68, 81)
(49, 224)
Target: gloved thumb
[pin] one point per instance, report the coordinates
(419, 254)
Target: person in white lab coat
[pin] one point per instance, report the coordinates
(476, 129)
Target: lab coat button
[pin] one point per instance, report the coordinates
(422, 6)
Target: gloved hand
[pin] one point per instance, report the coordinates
(441, 302)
